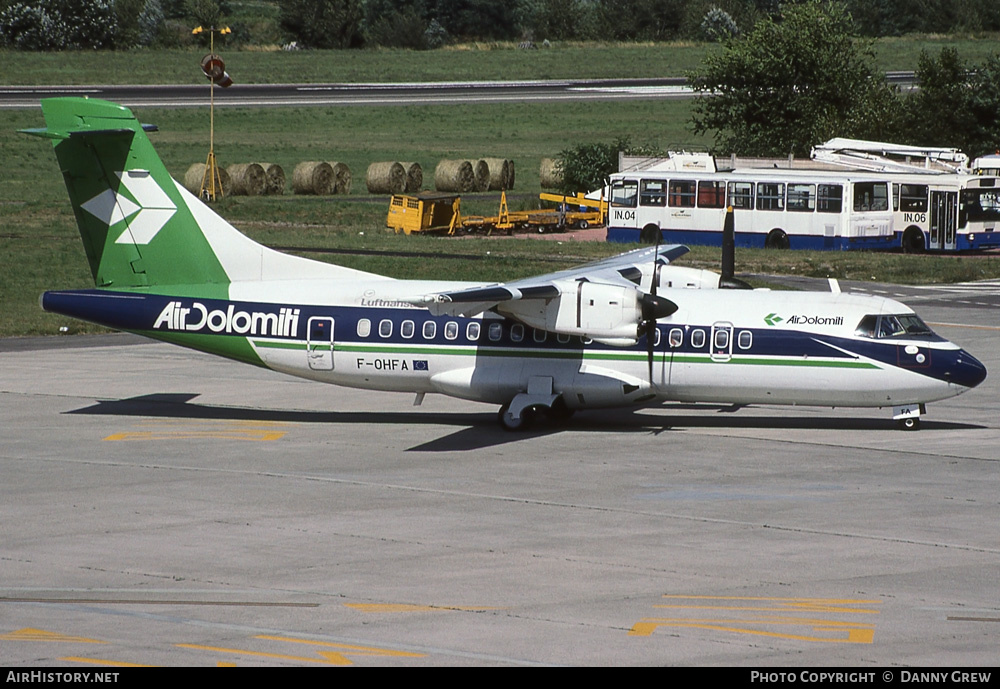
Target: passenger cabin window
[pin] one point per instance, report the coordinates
(745, 339)
(385, 328)
(539, 335)
(697, 339)
(871, 196)
(741, 195)
(430, 330)
(802, 198)
(624, 193)
(450, 330)
(682, 193)
(830, 198)
(711, 194)
(676, 337)
(472, 331)
(770, 196)
(495, 332)
(364, 327)
(406, 329)
(653, 192)
(562, 338)
(517, 332)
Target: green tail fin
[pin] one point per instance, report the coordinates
(139, 227)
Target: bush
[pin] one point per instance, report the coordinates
(59, 25)
(587, 166)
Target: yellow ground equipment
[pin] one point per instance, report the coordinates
(424, 212)
(433, 212)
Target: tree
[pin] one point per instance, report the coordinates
(323, 23)
(587, 166)
(793, 83)
(956, 105)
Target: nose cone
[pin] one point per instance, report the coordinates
(966, 370)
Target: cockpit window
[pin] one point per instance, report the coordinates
(902, 325)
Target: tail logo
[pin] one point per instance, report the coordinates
(145, 213)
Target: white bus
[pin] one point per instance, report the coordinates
(945, 213)
(807, 208)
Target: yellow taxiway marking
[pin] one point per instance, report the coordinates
(404, 607)
(332, 657)
(98, 661)
(856, 634)
(785, 611)
(199, 429)
(29, 634)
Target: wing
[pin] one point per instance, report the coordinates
(603, 300)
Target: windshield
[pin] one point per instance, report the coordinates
(902, 325)
(979, 205)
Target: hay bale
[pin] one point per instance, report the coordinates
(499, 170)
(414, 177)
(313, 177)
(482, 172)
(385, 178)
(248, 179)
(510, 172)
(196, 173)
(550, 173)
(274, 178)
(455, 176)
(342, 178)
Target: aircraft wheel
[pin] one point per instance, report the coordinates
(559, 412)
(508, 422)
(911, 423)
(776, 239)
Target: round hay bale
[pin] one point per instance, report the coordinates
(313, 177)
(196, 174)
(248, 179)
(454, 175)
(385, 178)
(499, 169)
(274, 178)
(482, 172)
(414, 177)
(550, 173)
(342, 178)
(510, 174)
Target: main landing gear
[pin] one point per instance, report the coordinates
(526, 407)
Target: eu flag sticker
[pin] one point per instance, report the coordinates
(419, 364)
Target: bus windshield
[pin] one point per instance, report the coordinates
(979, 205)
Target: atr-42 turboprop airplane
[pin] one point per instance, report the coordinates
(630, 330)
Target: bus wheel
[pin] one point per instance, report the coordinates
(650, 234)
(913, 241)
(776, 239)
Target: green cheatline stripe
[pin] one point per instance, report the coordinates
(445, 350)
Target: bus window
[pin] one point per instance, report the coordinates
(741, 195)
(623, 193)
(802, 197)
(913, 198)
(711, 194)
(652, 192)
(978, 205)
(682, 193)
(830, 198)
(770, 196)
(871, 196)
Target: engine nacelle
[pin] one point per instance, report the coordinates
(600, 311)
